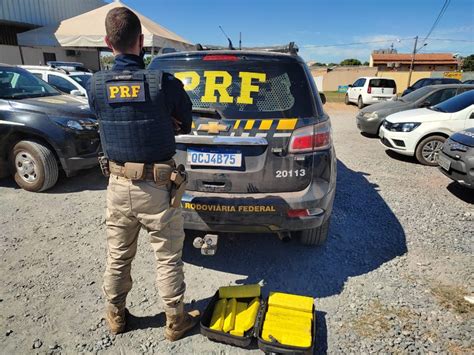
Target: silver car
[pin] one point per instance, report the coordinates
(371, 118)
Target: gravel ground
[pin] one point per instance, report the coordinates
(391, 277)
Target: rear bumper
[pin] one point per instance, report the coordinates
(258, 213)
(370, 99)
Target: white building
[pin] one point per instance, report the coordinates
(17, 16)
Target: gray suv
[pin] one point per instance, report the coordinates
(371, 118)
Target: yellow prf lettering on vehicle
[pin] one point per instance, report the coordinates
(113, 91)
(190, 79)
(212, 86)
(247, 88)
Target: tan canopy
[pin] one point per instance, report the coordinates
(88, 30)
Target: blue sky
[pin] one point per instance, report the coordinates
(316, 23)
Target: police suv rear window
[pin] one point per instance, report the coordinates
(243, 89)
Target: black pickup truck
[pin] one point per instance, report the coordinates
(42, 131)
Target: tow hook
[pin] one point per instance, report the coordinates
(207, 244)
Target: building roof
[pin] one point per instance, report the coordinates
(420, 58)
(88, 30)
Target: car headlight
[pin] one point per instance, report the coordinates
(370, 115)
(404, 126)
(82, 124)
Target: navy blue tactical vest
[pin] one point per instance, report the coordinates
(134, 122)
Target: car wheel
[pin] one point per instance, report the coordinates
(35, 166)
(360, 103)
(315, 236)
(346, 100)
(428, 149)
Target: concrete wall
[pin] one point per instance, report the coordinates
(401, 78)
(9, 54)
(342, 76)
(34, 56)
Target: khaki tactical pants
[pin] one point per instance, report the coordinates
(130, 206)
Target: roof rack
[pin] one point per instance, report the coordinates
(290, 48)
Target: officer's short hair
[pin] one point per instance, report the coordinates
(123, 28)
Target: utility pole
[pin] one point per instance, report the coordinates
(412, 61)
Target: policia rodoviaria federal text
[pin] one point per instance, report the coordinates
(139, 113)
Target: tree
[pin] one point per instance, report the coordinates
(351, 62)
(318, 64)
(468, 63)
(333, 65)
(366, 64)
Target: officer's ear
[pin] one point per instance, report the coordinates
(107, 42)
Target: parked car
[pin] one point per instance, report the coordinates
(369, 120)
(370, 90)
(69, 66)
(42, 130)
(429, 81)
(456, 158)
(69, 82)
(422, 132)
(260, 157)
(468, 81)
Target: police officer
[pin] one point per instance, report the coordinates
(139, 112)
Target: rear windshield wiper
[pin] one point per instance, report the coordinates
(208, 111)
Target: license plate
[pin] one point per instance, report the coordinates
(196, 157)
(444, 162)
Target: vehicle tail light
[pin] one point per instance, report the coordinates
(311, 138)
(220, 57)
(369, 90)
(298, 213)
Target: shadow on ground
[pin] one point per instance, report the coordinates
(91, 179)
(364, 234)
(401, 157)
(463, 193)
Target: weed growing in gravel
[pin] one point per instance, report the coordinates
(380, 318)
(452, 298)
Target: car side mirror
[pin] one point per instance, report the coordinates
(471, 116)
(425, 104)
(76, 93)
(322, 97)
(350, 85)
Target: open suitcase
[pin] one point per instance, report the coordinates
(254, 333)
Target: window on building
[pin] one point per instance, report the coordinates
(49, 57)
(61, 83)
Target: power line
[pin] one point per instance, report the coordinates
(354, 43)
(383, 41)
(438, 18)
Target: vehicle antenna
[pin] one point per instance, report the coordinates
(231, 46)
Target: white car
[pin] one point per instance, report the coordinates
(422, 132)
(370, 90)
(69, 82)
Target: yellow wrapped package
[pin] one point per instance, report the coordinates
(218, 315)
(289, 301)
(230, 313)
(289, 322)
(239, 319)
(278, 311)
(244, 291)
